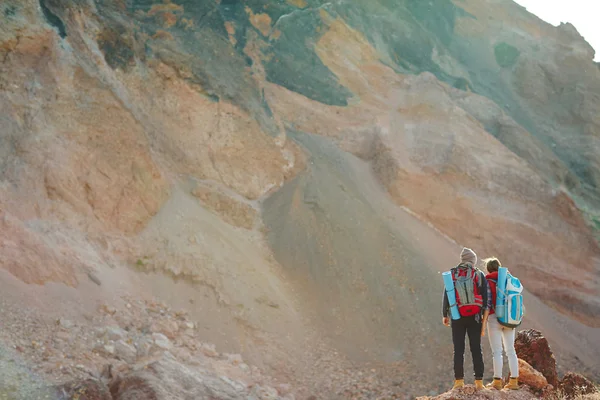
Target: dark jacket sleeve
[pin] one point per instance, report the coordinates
(445, 304)
(484, 290)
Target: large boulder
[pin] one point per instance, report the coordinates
(533, 347)
(531, 377)
(166, 378)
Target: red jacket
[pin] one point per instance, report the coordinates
(492, 278)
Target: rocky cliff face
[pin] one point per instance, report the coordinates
(300, 169)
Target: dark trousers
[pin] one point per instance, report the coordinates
(460, 328)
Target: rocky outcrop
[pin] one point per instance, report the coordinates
(573, 385)
(469, 392)
(533, 348)
(533, 385)
(166, 378)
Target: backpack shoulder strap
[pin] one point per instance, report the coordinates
(473, 270)
(453, 271)
(461, 265)
(479, 275)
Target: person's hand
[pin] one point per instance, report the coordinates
(483, 327)
(446, 321)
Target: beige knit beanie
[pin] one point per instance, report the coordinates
(468, 256)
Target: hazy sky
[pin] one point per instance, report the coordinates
(581, 13)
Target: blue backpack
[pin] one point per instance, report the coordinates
(509, 299)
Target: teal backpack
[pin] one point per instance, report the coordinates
(509, 299)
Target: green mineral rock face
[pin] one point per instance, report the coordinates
(506, 55)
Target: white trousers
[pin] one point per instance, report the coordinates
(500, 335)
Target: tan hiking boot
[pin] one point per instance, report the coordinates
(478, 384)
(495, 384)
(459, 383)
(513, 384)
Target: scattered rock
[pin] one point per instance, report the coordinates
(573, 385)
(265, 393)
(209, 350)
(143, 346)
(182, 354)
(529, 376)
(109, 310)
(234, 384)
(161, 341)
(125, 351)
(94, 278)
(188, 325)
(114, 333)
(533, 347)
(244, 367)
(284, 388)
(235, 359)
(105, 349)
(109, 349)
(182, 314)
(168, 328)
(87, 370)
(548, 392)
(266, 301)
(65, 323)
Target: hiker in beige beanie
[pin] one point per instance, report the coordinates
(470, 296)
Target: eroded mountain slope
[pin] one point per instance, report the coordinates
(299, 171)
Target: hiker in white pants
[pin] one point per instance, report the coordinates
(500, 336)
